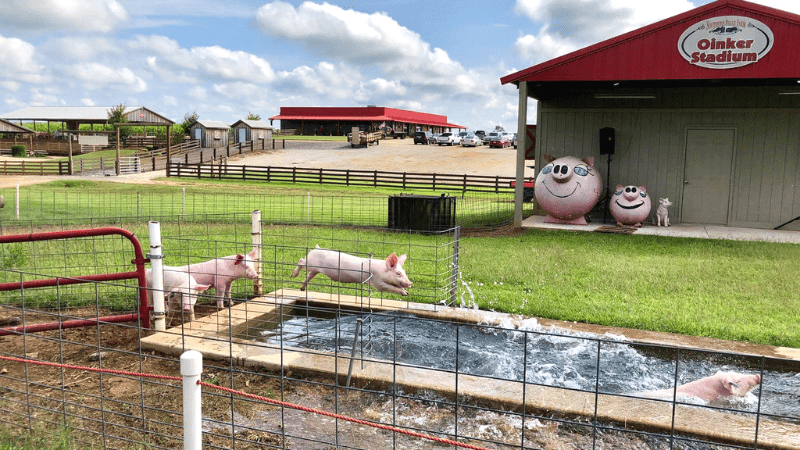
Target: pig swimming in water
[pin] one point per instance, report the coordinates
(384, 275)
(711, 389)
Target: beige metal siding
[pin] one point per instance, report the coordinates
(651, 143)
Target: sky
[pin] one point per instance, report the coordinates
(225, 59)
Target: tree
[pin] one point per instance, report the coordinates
(189, 119)
(116, 114)
(499, 128)
(251, 116)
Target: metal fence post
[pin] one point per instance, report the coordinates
(258, 286)
(157, 266)
(191, 369)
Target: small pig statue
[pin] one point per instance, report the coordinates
(220, 273)
(384, 275)
(179, 288)
(567, 188)
(630, 205)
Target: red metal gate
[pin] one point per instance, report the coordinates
(143, 314)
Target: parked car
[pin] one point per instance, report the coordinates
(493, 135)
(423, 137)
(471, 140)
(447, 138)
(435, 138)
(481, 134)
(514, 140)
(499, 141)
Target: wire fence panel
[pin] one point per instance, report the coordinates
(484, 386)
(44, 206)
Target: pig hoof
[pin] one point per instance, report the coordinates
(404, 293)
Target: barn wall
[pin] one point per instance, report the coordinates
(651, 145)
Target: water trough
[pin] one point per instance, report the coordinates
(224, 336)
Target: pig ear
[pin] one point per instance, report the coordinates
(252, 253)
(202, 287)
(239, 258)
(401, 260)
(548, 158)
(589, 160)
(642, 188)
(391, 261)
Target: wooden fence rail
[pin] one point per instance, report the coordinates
(34, 167)
(346, 177)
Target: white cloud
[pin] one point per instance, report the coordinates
(571, 24)
(87, 102)
(326, 80)
(69, 15)
(18, 62)
(99, 76)
(168, 59)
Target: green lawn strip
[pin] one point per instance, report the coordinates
(722, 289)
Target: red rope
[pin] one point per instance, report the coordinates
(252, 396)
(92, 369)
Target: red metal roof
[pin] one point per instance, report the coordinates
(651, 52)
(369, 113)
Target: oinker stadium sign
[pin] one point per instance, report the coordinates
(725, 42)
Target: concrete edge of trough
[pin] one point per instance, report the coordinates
(205, 334)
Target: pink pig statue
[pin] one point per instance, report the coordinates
(384, 275)
(567, 188)
(630, 205)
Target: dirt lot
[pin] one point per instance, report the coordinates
(393, 155)
(120, 411)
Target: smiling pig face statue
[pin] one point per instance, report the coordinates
(630, 205)
(567, 188)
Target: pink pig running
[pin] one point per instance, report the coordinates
(384, 275)
(220, 273)
(180, 288)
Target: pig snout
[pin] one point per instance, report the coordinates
(561, 173)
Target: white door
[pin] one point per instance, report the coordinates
(242, 134)
(197, 133)
(707, 176)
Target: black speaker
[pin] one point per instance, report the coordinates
(607, 141)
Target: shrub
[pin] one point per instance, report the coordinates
(18, 150)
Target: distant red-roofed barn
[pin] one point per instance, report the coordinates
(338, 121)
(703, 108)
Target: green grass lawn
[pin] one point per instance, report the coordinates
(723, 289)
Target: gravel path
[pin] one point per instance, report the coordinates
(394, 155)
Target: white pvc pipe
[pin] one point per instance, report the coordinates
(258, 287)
(157, 274)
(191, 369)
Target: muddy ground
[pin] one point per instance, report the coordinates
(119, 411)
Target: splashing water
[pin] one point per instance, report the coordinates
(522, 349)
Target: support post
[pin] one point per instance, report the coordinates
(169, 149)
(522, 144)
(191, 369)
(69, 140)
(157, 265)
(258, 285)
(116, 164)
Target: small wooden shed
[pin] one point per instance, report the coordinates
(251, 130)
(211, 133)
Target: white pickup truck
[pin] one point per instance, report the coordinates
(448, 138)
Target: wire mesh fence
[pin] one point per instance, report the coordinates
(36, 205)
(494, 386)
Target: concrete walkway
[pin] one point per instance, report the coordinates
(681, 230)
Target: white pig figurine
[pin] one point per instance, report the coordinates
(384, 275)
